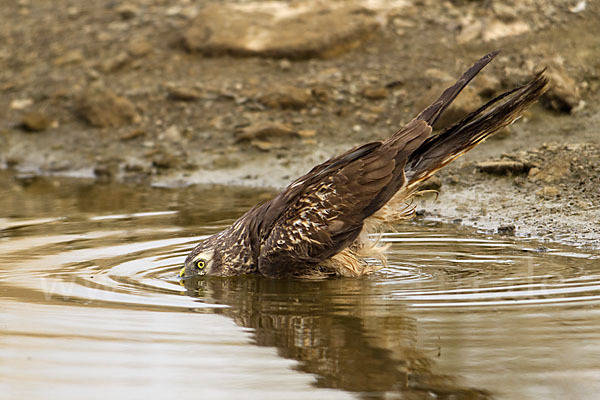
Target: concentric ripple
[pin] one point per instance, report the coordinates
(438, 268)
(136, 262)
(91, 300)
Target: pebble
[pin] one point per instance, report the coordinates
(286, 97)
(127, 11)
(20, 104)
(115, 63)
(503, 167)
(134, 134)
(101, 107)
(375, 92)
(183, 93)
(548, 191)
(285, 65)
(139, 48)
(508, 230)
(36, 121)
(563, 95)
(261, 130)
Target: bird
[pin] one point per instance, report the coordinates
(321, 225)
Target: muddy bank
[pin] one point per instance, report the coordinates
(164, 94)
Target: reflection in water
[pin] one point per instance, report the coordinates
(336, 329)
(90, 303)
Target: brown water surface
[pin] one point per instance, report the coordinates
(91, 307)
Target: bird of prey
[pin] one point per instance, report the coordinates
(319, 225)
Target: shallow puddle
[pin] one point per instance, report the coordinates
(91, 307)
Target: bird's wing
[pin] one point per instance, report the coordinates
(322, 213)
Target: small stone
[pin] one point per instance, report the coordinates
(321, 93)
(139, 48)
(263, 145)
(497, 30)
(173, 11)
(307, 133)
(184, 93)
(70, 57)
(563, 95)
(20, 104)
(285, 65)
(286, 97)
(173, 134)
(503, 167)
(375, 92)
(116, 63)
(165, 161)
(437, 75)
(533, 172)
(508, 230)
(470, 31)
(134, 134)
(221, 122)
(36, 122)
(368, 118)
(261, 130)
(127, 11)
(505, 12)
(548, 191)
(102, 108)
(309, 142)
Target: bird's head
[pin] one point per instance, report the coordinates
(199, 262)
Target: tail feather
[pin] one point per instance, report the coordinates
(433, 112)
(439, 150)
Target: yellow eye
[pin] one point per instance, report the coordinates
(201, 264)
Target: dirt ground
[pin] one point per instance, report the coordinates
(180, 92)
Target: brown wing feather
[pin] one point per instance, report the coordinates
(439, 150)
(322, 213)
(325, 215)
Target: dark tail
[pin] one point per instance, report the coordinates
(439, 150)
(432, 113)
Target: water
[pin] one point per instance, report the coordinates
(91, 307)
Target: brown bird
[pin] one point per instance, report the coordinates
(319, 225)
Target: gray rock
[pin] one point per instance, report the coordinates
(277, 29)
